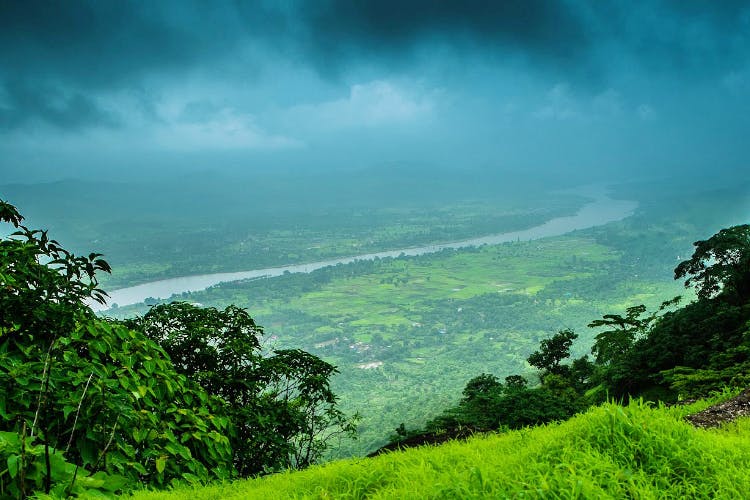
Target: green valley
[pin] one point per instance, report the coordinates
(407, 333)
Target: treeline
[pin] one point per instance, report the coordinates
(180, 394)
(662, 355)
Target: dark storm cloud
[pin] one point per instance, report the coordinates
(27, 104)
(55, 53)
(580, 38)
(99, 43)
(692, 38)
(57, 56)
(547, 29)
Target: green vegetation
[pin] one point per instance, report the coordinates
(185, 393)
(664, 355)
(612, 451)
(280, 404)
(702, 345)
(408, 333)
(92, 405)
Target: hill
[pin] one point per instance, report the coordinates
(611, 451)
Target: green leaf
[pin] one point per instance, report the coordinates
(112, 482)
(161, 463)
(67, 410)
(11, 438)
(89, 452)
(13, 465)
(91, 482)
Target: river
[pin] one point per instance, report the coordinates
(601, 210)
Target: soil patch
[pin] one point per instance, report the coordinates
(722, 413)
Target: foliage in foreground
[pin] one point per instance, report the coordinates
(91, 405)
(86, 398)
(281, 406)
(635, 451)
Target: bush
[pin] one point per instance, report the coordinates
(103, 395)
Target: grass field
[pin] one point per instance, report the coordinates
(636, 451)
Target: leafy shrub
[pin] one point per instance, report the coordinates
(35, 467)
(105, 396)
(280, 404)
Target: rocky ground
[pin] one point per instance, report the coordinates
(728, 411)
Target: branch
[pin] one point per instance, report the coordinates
(41, 388)
(78, 411)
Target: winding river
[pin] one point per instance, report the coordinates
(601, 210)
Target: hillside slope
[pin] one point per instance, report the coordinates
(611, 451)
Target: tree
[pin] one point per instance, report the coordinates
(477, 408)
(515, 382)
(105, 396)
(615, 343)
(552, 351)
(720, 264)
(525, 407)
(281, 405)
(481, 386)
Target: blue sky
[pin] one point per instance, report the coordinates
(607, 88)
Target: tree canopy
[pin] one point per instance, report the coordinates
(280, 403)
(720, 264)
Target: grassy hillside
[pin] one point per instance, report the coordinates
(611, 451)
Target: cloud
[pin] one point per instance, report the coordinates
(89, 48)
(559, 105)
(63, 59)
(371, 104)
(339, 30)
(22, 104)
(224, 129)
(645, 112)
(683, 39)
(325, 82)
(96, 44)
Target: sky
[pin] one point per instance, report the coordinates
(119, 89)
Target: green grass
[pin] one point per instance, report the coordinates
(611, 451)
